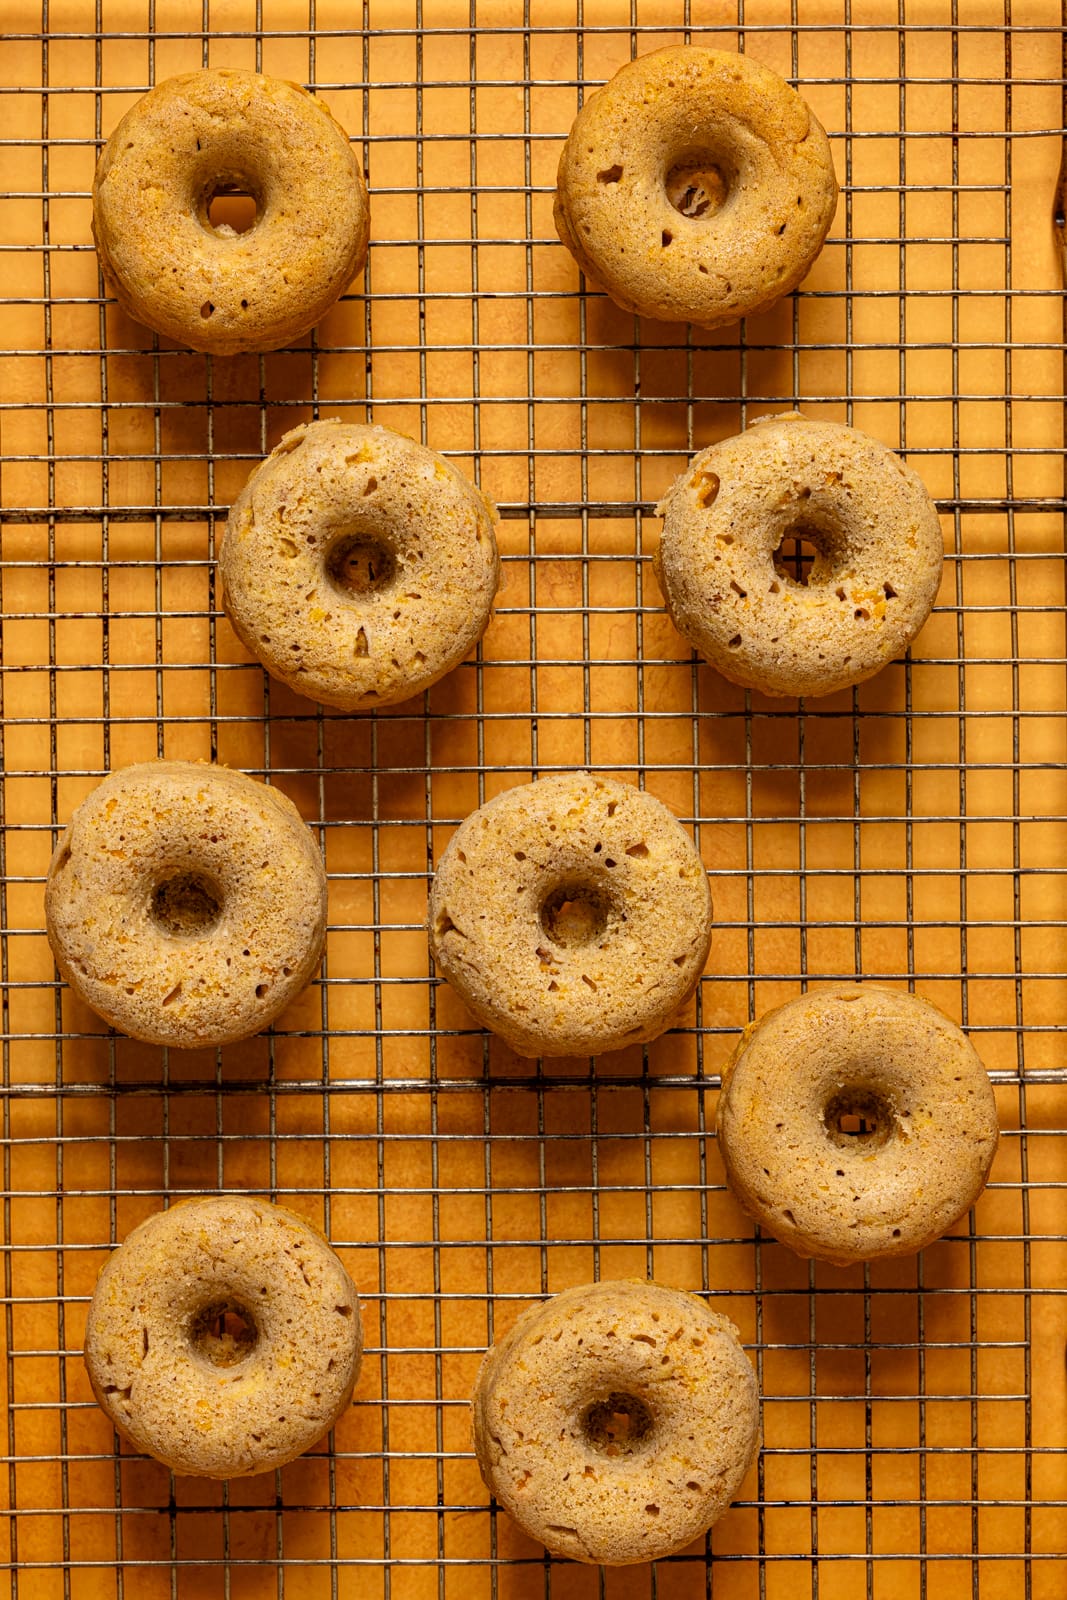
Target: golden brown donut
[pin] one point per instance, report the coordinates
(616, 1421)
(729, 591)
(208, 133)
(571, 915)
(856, 1122)
(696, 186)
(223, 1337)
(358, 566)
(185, 903)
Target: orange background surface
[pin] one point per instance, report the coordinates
(911, 830)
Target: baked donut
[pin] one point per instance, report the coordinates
(205, 134)
(358, 566)
(185, 903)
(223, 1337)
(731, 592)
(856, 1122)
(615, 1421)
(571, 915)
(697, 186)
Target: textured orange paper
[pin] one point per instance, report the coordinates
(912, 830)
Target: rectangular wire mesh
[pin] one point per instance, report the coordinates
(912, 829)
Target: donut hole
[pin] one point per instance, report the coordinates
(223, 1333)
(360, 564)
(619, 1425)
(576, 913)
(185, 906)
(858, 1118)
(231, 205)
(806, 555)
(698, 185)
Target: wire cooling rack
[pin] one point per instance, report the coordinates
(911, 830)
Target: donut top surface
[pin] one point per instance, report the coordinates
(572, 914)
(358, 565)
(855, 1122)
(696, 186)
(616, 1420)
(224, 1336)
(186, 903)
(209, 132)
(878, 553)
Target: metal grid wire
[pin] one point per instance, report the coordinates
(912, 829)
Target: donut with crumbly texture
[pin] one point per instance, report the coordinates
(616, 1421)
(223, 1337)
(571, 915)
(186, 903)
(856, 1122)
(731, 593)
(207, 286)
(358, 566)
(696, 186)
